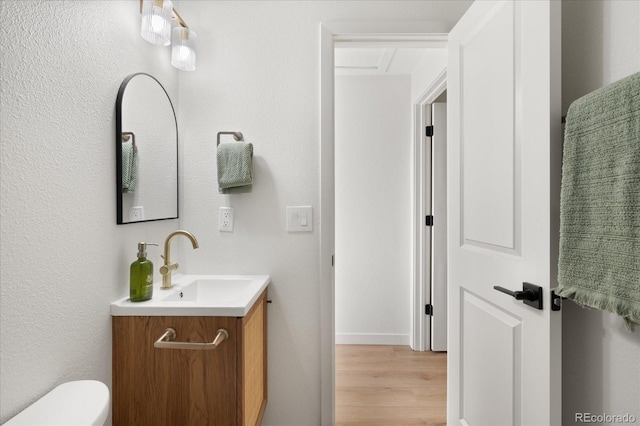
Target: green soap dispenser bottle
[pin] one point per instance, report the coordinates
(141, 276)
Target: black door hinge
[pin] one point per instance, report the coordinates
(429, 221)
(429, 131)
(428, 309)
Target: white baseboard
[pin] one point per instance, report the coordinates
(372, 339)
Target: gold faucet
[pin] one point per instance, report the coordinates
(166, 269)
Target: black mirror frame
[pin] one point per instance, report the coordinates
(119, 213)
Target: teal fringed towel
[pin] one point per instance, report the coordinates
(235, 167)
(129, 166)
(599, 263)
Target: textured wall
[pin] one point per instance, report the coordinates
(601, 359)
(63, 258)
(373, 209)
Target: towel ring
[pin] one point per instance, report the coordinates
(126, 136)
(236, 135)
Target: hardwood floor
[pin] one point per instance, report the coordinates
(390, 385)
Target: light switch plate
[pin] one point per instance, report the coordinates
(299, 219)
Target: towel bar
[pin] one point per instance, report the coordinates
(236, 135)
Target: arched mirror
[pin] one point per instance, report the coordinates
(146, 151)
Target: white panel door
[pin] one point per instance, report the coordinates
(504, 140)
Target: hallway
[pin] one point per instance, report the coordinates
(390, 385)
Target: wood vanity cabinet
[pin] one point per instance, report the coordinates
(224, 386)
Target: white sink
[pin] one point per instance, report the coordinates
(198, 295)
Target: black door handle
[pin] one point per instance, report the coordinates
(530, 295)
(527, 294)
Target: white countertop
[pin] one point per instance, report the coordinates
(198, 295)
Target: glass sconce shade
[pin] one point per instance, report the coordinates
(183, 48)
(156, 21)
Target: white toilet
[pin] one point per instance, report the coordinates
(83, 402)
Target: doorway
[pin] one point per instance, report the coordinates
(429, 35)
(390, 282)
(372, 194)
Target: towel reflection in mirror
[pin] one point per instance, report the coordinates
(129, 162)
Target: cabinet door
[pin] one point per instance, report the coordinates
(252, 394)
(154, 386)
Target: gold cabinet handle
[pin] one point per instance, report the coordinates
(166, 341)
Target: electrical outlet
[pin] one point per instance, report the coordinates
(136, 213)
(225, 219)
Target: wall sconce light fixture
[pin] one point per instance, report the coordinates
(183, 48)
(162, 25)
(156, 21)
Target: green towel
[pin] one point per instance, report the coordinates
(599, 262)
(235, 167)
(129, 166)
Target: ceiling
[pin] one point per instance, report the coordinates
(377, 61)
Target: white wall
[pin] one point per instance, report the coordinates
(601, 359)
(373, 209)
(63, 258)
